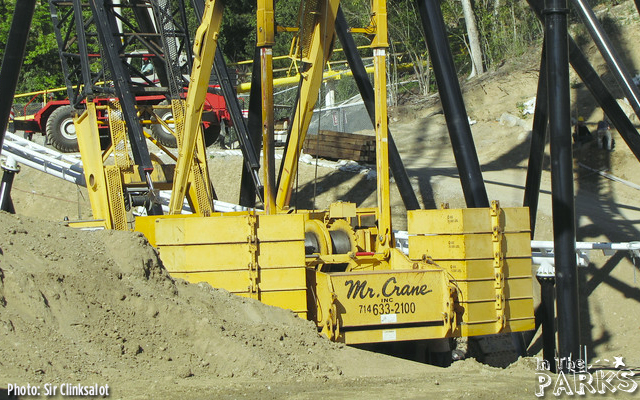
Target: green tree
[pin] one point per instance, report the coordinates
(41, 67)
(238, 31)
(407, 41)
(507, 29)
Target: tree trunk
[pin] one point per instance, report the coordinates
(474, 39)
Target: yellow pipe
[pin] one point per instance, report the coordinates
(380, 44)
(291, 80)
(17, 96)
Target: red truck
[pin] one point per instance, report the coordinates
(55, 120)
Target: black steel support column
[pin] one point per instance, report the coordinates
(12, 60)
(538, 141)
(455, 113)
(564, 229)
(366, 91)
(598, 89)
(254, 124)
(251, 156)
(609, 54)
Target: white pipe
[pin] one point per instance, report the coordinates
(42, 159)
(15, 141)
(612, 177)
(548, 244)
(546, 254)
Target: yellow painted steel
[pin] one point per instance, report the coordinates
(116, 197)
(377, 296)
(487, 253)
(199, 189)
(394, 298)
(294, 300)
(204, 47)
(268, 143)
(89, 144)
(467, 247)
(468, 272)
(466, 220)
(265, 42)
(295, 79)
(94, 224)
(379, 44)
(320, 16)
(254, 255)
(162, 175)
(265, 23)
(237, 281)
(118, 131)
(480, 270)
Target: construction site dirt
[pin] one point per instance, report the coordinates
(98, 308)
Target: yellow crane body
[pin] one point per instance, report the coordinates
(467, 271)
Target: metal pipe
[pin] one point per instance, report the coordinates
(547, 244)
(455, 113)
(250, 155)
(538, 141)
(62, 168)
(609, 176)
(12, 60)
(609, 54)
(365, 88)
(564, 229)
(10, 168)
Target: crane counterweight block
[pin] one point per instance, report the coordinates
(455, 281)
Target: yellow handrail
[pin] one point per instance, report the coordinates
(43, 92)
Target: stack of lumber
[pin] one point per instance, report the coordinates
(341, 146)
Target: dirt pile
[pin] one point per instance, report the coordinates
(99, 305)
(99, 308)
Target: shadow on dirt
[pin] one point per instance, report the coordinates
(595, 201)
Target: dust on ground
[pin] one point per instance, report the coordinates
(98, 307)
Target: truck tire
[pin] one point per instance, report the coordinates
(60, 130)
(167, 139)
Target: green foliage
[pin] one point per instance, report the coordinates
(41, 67)
(238, 32)
(507, 28)
(407, 40)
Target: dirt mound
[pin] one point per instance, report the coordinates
(100, 306)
